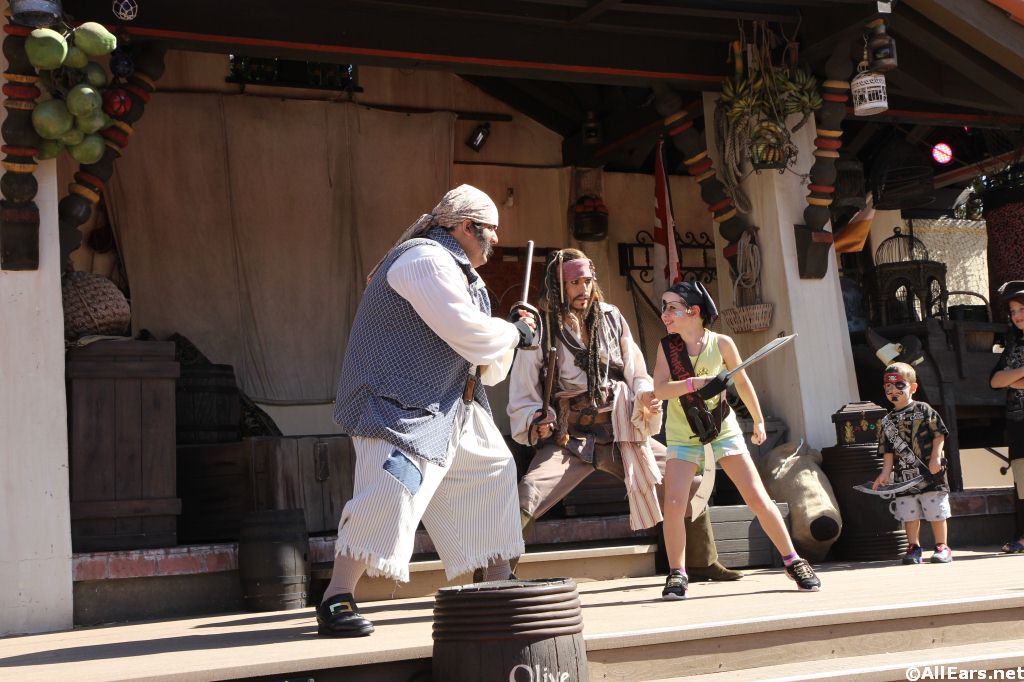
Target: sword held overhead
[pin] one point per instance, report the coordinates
(523, 302)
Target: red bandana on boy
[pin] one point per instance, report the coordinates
(896, 379)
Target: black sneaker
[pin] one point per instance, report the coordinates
(338, 617)
(675, 586)
(801, 572)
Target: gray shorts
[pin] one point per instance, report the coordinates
(931, 506)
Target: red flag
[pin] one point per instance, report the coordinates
(666, 256)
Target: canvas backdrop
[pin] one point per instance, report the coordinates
(248, 225)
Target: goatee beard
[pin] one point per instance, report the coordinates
(486, 247)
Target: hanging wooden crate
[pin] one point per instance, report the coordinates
(121, 442)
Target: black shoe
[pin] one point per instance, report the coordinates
(801, 572)
(337, 617)
(675, 586)
(715, 571)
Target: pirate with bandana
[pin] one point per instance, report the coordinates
(585, 401)
(422, 345)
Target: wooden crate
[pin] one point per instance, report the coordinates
(121, 442)
(739, 538)
(600, 494)
(221, 483)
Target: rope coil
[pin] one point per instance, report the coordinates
(748, 313)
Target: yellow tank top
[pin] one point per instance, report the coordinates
(707, 364)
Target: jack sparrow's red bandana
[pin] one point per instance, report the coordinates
(575, 269)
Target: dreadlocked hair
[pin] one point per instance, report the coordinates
(552, 301)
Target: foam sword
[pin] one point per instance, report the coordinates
(724, 378)
(761, 353)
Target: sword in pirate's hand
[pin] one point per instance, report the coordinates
(724, 378)
(523, 302)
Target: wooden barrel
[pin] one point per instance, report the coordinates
(273, 560)
(870, 531)
(208, 405)
(516, 630)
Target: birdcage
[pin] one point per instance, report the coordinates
(902, 177)
(908, 285)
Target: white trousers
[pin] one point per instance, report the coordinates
(470, 508)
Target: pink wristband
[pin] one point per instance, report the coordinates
(689, 384)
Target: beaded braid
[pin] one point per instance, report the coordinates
(553, 301)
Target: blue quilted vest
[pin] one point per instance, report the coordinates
(399, 381)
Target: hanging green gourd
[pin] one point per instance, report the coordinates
(46, 49)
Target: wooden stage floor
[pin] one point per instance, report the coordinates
(617, 614)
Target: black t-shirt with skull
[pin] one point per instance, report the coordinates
(917, 425)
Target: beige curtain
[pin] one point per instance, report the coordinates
(248, 224)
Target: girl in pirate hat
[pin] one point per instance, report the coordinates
(689, 374)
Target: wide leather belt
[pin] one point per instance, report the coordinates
(588, 417)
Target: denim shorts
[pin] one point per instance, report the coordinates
(720, 447)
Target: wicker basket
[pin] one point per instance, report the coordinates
(749, 318)
(93, 305)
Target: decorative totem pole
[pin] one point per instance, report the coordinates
(693, 146)
(19, 215)
(813, 241)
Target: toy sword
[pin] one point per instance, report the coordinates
(718, 383)
(890, 490)
(761, 353)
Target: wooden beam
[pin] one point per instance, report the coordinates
(503, 90)
(597, 7)
(908, 86)
(982, 26)
(555, 96)
(792, 17)
(378, 36)
(497, 11)
(861, 138)
(946, 48)
(940, 118)
(919, 132)
(967, 173)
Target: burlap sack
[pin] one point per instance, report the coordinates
(792, 474)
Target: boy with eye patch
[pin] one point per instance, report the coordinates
(910, 440)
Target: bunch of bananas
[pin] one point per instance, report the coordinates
(739, 98)
(799, 95)
(767, 141)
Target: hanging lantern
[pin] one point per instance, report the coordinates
(881, 48)
(868, 89)
(38, 13)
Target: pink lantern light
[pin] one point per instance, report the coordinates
(942, 153)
